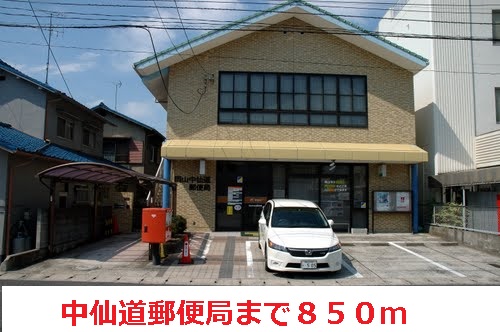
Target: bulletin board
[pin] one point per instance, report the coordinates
(392, 201)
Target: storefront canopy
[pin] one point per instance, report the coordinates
(469, 178)
(97, 173)
(293, 151)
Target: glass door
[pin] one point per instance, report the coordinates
(242, 190)
(335, 194)
(229, 196)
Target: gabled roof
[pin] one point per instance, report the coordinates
(13, 140)
(104, 107)
(8, 68)
(313, 15)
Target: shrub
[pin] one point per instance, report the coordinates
(450, 214)
(179, 224)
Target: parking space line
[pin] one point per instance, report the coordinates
(428, 260)
(206, 249)
(248, 248)
(355, 274)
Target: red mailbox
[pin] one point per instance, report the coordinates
(156, 225)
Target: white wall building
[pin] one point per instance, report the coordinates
(457, 97)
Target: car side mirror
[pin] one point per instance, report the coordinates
(262, 221)
(330, 222)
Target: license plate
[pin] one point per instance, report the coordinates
(308, 265)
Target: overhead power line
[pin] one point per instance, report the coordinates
(356, 5)
(50, 49)
(333, 31)
(210, 24)
(76, 47)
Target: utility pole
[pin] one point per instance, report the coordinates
(48, 52)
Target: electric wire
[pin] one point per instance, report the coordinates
(342, 5)
(166, 30)
(334, 31)
(214, 24)
(163, 78)
(188, 40)
(50, 50)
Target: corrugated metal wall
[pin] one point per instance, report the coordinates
(487, 150)
(454, 116)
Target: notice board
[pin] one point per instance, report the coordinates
(392, 201)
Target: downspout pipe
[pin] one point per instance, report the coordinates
(414, 195)
(166, 188)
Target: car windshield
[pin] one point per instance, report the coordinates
(298, 217)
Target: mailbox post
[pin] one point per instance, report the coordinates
(156, 229)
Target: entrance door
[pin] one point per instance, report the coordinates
(242, 190)
(336, 197)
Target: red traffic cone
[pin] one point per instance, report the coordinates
(186, 254)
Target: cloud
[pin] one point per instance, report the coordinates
(147, 112)
(193, 19)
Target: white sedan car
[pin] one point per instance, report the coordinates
(295, 235)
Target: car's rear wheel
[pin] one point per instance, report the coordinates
(266, 266)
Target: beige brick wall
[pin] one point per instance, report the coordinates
(390, 88)
(198, 207)
(390, 109)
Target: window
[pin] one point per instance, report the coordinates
(82, 194)
(65, 128)
(496, 26)
(153, 154)
(88, 137)
(116, 150)
(292, 99)
(497, 103)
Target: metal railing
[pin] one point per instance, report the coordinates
(471, 218)
(159, 172)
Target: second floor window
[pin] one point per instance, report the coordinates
(116, 150)
(88, 137)
(65, 128)
(293, 99)
(153, 154)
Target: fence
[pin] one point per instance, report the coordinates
(478, 219)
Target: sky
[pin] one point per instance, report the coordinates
(94, 43)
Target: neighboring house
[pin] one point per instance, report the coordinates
(136, 146)
(24, 199)
(39, 110)
(41, 127)
(291, 102)
(129, 142)
(457, 98)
